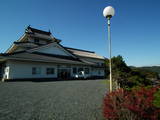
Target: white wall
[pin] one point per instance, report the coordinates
(19, 69)
(23, 69)
(41, 41)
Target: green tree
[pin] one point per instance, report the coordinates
(120, 71)
(156, 101)
(124, 75)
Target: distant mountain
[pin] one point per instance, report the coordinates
(150, 68)
(153, 68)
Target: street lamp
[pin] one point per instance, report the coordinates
(108, 13)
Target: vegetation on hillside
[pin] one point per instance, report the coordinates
(147, 72)
(137, 99)
(128, 77)
(152, 68)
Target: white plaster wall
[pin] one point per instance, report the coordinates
(19, 49)
(19, 69)
(22, 69)
(41, 41)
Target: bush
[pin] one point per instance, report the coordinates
(136, 104)
(156, 101)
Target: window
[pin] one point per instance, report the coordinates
(50, 71)
(103, 64)
(80, 69)
(74, 70)
(36, 70)
(0, 72)
(36, 40)
(86, 70)
(81, 73)
(99, 64)
(99, 72)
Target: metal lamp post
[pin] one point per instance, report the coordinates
(108, 13)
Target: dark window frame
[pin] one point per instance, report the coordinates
(86, 71)
(36, 70)
(36, 40)
(80, 69)
(50, 71)
(74, 70)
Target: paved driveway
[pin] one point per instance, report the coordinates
(61, 100)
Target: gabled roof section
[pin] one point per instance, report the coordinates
(48, 45)
(57, 56)
(84, 53)
(33, 33)
(36, 33)
(27, 44)
(9, 54)
(13, 46)
(52, 48)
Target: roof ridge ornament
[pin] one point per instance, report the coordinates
(27, 30)
(49, 31)
(34, 30)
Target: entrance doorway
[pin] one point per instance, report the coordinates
(64, 74)
(1, 70)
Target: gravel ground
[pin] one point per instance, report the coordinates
(61, 100)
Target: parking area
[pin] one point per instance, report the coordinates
(59, 100)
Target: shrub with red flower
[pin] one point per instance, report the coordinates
(136, 104)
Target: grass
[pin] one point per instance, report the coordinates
(106, 82)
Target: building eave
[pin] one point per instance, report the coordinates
(36, 60)
(13, 46)
(91, 57)
(35, 56)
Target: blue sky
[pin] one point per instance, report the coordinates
(80, 24)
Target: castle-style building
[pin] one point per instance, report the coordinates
(39, 55)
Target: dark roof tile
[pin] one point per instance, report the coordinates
(37, 31)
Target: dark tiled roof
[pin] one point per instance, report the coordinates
(38, 31)
(84, 53)
(8, 54)
(21, 42)
(79, 49)
(58, 56)
(44, 58)
(43, 54)
(17, 43)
